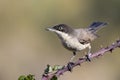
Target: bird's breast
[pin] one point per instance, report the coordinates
(72, 43)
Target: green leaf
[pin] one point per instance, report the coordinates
(57, 67)
(54, 78)
(23, 77)
(28, 77)
(48, 69)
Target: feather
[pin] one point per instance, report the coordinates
(95, 26)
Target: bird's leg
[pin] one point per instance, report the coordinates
(88, 54)
(71, 59)
(70, 62)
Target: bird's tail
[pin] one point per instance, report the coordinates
(95, 26)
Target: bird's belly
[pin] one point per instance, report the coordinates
(74, 45)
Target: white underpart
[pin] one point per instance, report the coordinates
(71, 41)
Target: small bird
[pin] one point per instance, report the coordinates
(79, 39)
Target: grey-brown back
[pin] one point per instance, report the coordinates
(84, 35)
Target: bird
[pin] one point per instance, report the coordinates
(78, 39)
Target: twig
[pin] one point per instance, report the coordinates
(100, 52)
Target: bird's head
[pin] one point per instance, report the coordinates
(60, 28)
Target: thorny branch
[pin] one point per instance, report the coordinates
(100, 52)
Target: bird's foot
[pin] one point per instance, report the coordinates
(70, 66)
(88, 57)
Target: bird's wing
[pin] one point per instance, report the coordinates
(83, 36)
(82, 41)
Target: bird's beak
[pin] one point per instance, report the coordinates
(49, 29)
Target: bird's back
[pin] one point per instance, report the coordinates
(89, 34)
(84, 35)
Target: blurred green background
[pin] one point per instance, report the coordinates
(25, 46)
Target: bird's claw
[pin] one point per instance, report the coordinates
(88, 57)
(69, 66)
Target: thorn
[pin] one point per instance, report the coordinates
(61, 73)
(81, 58)
(100, 55)
(79, 64)
(111, 50)
(118, 41)
(69, 66)
(45, 75)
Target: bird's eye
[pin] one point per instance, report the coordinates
(61, 28)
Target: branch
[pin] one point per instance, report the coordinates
(100, 52)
